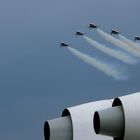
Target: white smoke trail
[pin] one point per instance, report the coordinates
(129, 42)
(119, 43)
(111, 52)
(105, 68)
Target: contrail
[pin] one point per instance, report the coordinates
(105, 68)
(129, 42)
(119, 43)
(111, 52)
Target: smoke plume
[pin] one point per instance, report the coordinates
(129, 42)
(107, 69)
(111, 52)
(119, 43)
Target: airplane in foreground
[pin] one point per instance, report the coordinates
(63, 44)
(79, 34)
(137, 38)
(92, 26)
(112, 119)
(114, 32)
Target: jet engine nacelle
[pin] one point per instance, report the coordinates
(122, 120)
(76, 123)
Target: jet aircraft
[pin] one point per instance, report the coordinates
(92, 26)
(137, 38)
(79, 34)
(63, 44)
(114, 32)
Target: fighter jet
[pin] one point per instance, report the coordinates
(63, 44)
(114, 32)
(137, 38)
(79, 34)
(92, 26)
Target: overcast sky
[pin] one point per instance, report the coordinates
(37, 78)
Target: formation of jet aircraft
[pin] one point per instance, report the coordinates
(94, 26)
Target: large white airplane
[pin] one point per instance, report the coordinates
(117, 119)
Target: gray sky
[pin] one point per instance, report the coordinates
(38, 79)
